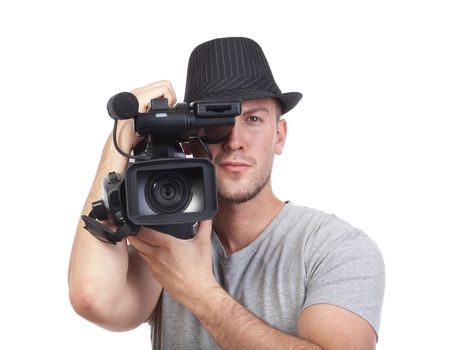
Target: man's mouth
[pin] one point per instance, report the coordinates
(234, 166)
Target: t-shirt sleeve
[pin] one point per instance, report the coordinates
(344, 267)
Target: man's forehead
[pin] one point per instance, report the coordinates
(263, 104)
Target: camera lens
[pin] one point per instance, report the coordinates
(168, 192)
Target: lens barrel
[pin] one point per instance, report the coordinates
(168, 192)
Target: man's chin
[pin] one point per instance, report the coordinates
(238, 197)
(234, 200)
(233, 192)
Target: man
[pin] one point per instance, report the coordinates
(264, 274)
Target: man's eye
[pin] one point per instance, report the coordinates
(253, 118)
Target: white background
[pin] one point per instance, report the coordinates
(371, 140)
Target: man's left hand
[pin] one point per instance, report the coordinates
(182, 267)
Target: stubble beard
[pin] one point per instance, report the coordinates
(231, 194)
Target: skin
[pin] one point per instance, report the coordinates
(183, 268)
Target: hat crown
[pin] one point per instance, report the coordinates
(226, 64)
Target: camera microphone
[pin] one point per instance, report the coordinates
(123, 106)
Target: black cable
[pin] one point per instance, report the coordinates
(120, 151)
(205, 148)
(124, 154)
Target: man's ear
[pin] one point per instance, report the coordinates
(186, 147)
(281, 136)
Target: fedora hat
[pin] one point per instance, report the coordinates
(233, 69)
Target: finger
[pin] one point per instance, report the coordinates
(169, 92)
(155, 238)
(204, 230)
(138, 245)
(163, 89)
(158, 89)
(166, 84)
(143, 248)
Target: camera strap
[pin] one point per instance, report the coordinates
(104, 233)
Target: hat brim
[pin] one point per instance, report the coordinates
(287, 100)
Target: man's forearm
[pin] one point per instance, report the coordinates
(94, 265)
(234, 327)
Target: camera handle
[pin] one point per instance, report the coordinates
(148, 153)
(104, 233)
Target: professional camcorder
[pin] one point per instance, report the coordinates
(161, 188)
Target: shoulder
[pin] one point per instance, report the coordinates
(343, 266)
(324, 232)
(328, 243)
(321, 239)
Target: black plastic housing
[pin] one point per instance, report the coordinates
(161, 188)
(199, 174)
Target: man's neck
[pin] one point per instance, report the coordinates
(238, 225)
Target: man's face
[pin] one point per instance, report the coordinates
(244, 160)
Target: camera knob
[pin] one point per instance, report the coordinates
(99, 210)
(113, 178)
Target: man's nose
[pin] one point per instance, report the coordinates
(234, 140)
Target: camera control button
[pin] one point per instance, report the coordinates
(99, 210)
(113, 177)
(118, 216)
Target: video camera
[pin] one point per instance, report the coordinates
(161, 188)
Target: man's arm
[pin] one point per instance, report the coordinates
(107, 284)
(321, 326)
(234, 327)
(333, 327)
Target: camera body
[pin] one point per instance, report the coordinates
(170, 191)
(161, 188)
(167, 194)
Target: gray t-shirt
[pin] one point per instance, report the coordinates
(303, 257)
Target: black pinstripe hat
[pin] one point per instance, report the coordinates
(233, 69)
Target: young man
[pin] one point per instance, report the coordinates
(264, 274)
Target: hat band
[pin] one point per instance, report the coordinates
(252, 83)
